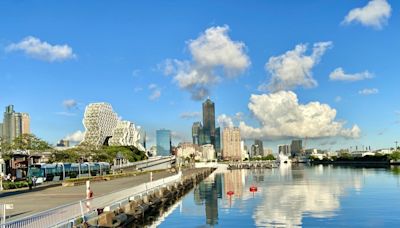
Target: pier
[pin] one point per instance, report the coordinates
(252, 165)
(67, 206)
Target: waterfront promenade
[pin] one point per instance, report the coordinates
(28, 203)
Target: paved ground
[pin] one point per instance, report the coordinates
(29, 202)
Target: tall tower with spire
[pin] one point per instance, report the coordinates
(209, 121)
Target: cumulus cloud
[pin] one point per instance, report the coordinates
(375, 14)
(211, 51)
(339, 75)
(281, 116)
(155, 92)
(294, 68)
(75, 137)
(190, 115)
(42, 50)
(225, 121)
(367, 92)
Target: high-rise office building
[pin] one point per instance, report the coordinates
(206, 133)
(14, 124)
(284, 149)
(1, 130)
(231, 144)
(209, 119)
(296, 147)
(260, 147)
(163, 138)
(9, 124)
(196, 131)
(26, 123)
(217, 145)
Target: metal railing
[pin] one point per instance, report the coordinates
(67, 214)
(145, 163)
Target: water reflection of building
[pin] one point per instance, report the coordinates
(234, 181)
(208, 192)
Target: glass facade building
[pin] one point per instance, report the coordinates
(163, 138)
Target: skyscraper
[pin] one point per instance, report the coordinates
(196, 131)
(14, 124)
(217, 145)
(206, 133)
(163, 138)
(209, 121)
(296, 147)
(284, 149)
(26, 123)
(9, 124)
(257, 148)
(231, 144)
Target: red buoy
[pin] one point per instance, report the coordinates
(253, 189)
(230, 193)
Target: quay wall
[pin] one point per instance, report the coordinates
(145, 208)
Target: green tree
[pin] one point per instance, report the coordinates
(395, 156)
(29, 142)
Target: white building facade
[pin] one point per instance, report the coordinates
(103, 127)
(208, 152)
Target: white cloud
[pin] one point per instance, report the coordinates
(136, 72)
(65, 113)
(190, 115)
(280, 116)
(70, 103)
(75, 137)
(339, 75)
(42, 50)
(155, 92)
(225, 121)
(211, 51)
(215, 48)
(239, 116)
(367, 92)
(294, 68)
(153, 86)
(375, 14)
(137, 89)
(338, 99)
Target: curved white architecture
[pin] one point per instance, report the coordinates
(126, 134)
(102, 124)
(99, 121)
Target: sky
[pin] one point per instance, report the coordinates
(325, 71)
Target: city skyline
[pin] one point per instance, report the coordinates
(52, 69)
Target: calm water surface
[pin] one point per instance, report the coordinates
(292, 196)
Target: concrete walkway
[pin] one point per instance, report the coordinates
(28, 203)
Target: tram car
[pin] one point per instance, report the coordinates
(61, 171)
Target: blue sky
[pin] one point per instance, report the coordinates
(118, 52)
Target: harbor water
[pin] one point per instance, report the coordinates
(291, 196)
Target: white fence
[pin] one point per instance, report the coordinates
(66, 214)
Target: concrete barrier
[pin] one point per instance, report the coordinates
(146, 208)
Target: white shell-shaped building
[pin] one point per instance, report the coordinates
(99, 121)
(104, 128)
(126, 134)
